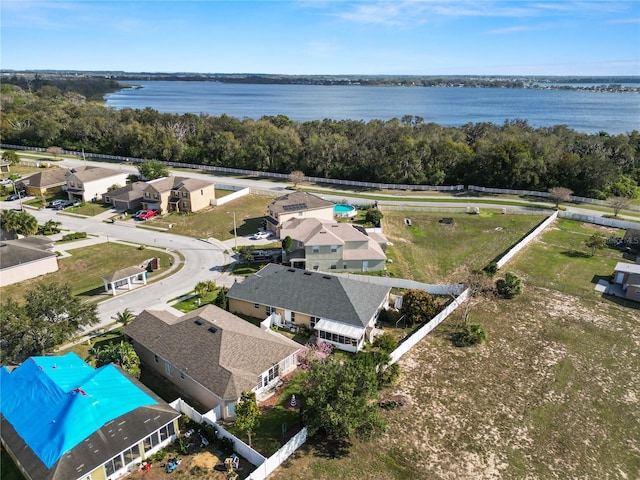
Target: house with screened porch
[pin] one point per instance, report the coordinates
(339, 310)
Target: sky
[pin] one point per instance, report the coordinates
(305, 37)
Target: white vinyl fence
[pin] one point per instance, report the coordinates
(233, 196)
(264, 466)
(419, 334)
(606, 222)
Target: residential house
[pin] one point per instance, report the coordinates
(44, 183)
(297, 205)
(321, 245)
(627, 275)
(632, 239)
(339, 310)
(179, 194)
(25, 258)
(62, 419)
(88, 183)
(212, 356)
(128, 197)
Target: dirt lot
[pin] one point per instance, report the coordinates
(553, 394)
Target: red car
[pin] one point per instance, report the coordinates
(147, 214)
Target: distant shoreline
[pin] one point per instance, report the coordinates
(626, 84)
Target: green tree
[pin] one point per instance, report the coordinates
(286, 243)
(22, 223)
(338, 399)
(152, 169)
(221, 298)
(386, 342)
(9, 156)
(124, 317)
(201, 289)
(246, 253)
(510, 286)
(247, 413)
(373, 216)
(49, 316)
(418, 306)
(49, 227)
(595, 242)
(121, 354)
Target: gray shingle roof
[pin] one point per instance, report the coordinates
(226, 361)
(298, 201)
(47, 178)
(24, 250)
(326, 296)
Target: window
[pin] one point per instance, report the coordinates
(271, 375)
(333, 266)
(155, 196)
(73, 184)
(167, 368)
(107, 199)
(113, 465)
(185, 204)
(147, 195)
(344, 265)
(316, 266)
(131, 454)
(150, 442)
(269, 310)
(256, 305)
(201, 192)
(293, 317)
(155, 357)
(166, 432)
(184, 194)
(315, 249)
(182, 375)
(313, 321)
(334, 248)
(300, 214)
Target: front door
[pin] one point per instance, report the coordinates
(365, 265)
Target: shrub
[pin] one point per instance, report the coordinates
(158, 456)
(491, 268)
(510, 286)
(74, 236)
(226, 445)
(470, 334)
(142, 247)
(386, 342)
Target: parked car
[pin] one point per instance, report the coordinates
(12, 197)
(135, 215)
(147, 214)
(62, 205)
(262, 235)
(56, 203)
(6, 181)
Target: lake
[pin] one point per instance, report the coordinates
(449, 106)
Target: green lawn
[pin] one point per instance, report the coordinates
(432, 252)
(192, 303)
(83, 271)
(217, 222)
(90, 209)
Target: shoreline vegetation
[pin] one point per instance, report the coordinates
(625, 84)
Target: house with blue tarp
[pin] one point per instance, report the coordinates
(61, 419)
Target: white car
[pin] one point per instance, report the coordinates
(6, 181)
(262, 235)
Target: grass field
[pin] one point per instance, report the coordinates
(432, 252)
(554, 393)
(217, 222)
(83, 271)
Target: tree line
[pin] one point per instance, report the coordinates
(401, 150)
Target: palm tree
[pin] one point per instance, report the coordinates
(121, 354)
(124, 317)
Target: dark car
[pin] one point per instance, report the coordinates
(12, 197)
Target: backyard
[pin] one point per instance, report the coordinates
(432, 252)
(553, 393)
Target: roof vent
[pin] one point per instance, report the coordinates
(307, 273)
(212, 329)
(198, 322)
(291, 269)
(326, 276)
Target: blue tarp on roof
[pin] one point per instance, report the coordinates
(54, 403)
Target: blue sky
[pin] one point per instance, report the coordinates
(413, 37)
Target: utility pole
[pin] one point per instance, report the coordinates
(235, 231)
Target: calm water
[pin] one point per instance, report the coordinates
(583, 111)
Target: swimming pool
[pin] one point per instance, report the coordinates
(344, 211)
